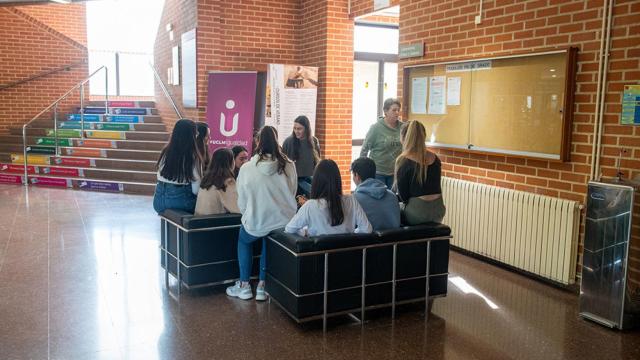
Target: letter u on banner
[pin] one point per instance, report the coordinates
(231, 100)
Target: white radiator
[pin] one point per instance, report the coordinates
(535, 233)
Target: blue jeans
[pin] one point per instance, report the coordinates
(172, 196)
(386, 179)
(245, 254)
(304, 185)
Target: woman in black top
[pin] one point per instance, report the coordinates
(417, 174)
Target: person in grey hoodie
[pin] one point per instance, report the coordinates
(379, 203)
(382, 143)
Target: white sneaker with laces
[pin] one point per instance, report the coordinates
(260, 294)
(239, 291)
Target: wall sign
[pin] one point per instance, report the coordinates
(411, 50)
(381, 4)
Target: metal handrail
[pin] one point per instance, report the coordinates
(43, 74)
(54, 105)
(166, 92)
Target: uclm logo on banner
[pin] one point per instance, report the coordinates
(230, 108)
(223, 120)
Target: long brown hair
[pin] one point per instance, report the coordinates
(203, 147)
(219, 170)
(269, 149)
(327, 184)
(413, 135)
(180, 156)
(308, 134)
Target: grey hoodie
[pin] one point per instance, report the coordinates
(266, 199)
(380, 204)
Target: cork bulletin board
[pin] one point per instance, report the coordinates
(519, 105)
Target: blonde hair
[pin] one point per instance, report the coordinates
(414, 136)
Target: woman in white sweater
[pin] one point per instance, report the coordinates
(218, 193)
(266, 198)
(328, 211)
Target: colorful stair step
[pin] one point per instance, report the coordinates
(52, 141)
(53, 182)
(121, 104)
(58, 171)
(96, 143)
(18, 169)
(85, 152)
(32, 159)
(116, 111)
(64, 133)
(129, 119)
(41, 150)
(98, 185)
(74, 162)
(10, 179)
(97, 126)
(114, 135)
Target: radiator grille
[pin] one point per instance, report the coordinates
(531, 232)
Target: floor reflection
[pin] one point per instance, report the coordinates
(80, 279)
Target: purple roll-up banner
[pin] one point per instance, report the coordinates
(230, 108)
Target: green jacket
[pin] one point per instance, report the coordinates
(382, 145)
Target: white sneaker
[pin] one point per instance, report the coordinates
(239, 291)
(260, 294)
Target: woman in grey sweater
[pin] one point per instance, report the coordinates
(304, 149)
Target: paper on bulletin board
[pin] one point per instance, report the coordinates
(381, 4)
(437, 105)
(453, 91)
(419, 95)
(630, 105)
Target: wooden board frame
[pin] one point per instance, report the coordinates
(567, 109)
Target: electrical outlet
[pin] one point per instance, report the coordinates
(478, 20)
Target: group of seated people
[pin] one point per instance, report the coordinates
(263, 188)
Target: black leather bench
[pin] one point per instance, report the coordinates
(316, 277)
(205, 246)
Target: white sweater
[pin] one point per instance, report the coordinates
(313, 219)
(266, 199)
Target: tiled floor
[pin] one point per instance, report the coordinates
(80, 279)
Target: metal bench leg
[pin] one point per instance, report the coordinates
(393, 283)
(364, 280)
(427, 272)
(178, 260)
(325, 292)
(165, 248)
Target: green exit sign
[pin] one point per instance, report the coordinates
(411, 50)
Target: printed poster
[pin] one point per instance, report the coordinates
(231, 100)
(292, 91)
(419, 95)
(453, 91)
(437, 104)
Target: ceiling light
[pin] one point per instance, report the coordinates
(62, 1)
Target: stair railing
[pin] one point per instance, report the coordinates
(54, 106)
(165, 91)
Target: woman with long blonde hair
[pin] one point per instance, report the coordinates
(417, 176)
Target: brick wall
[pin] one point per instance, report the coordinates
(67, 19)
(182, 15)
(327, 42)
(28, 48)
(448, 31)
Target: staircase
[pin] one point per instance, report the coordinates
(117, 154)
